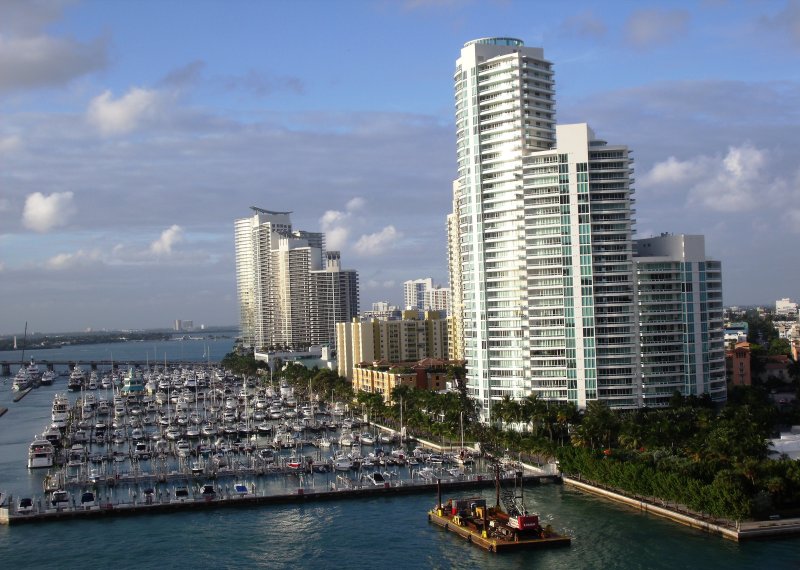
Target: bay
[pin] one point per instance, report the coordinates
(382, 532)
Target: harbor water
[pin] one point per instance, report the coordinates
(390, 531)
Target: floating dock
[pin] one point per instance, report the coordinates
(22, 394)
(8, 516)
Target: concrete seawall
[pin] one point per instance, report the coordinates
(736, 531)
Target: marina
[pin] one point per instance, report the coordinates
(237, 533)
(130, 442)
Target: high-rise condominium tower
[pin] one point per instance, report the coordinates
(542, 229)
(504, 110)
(291, 291)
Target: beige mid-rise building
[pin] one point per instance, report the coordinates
(415, 337)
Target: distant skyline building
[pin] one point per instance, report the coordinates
(291, 291)
(423, 295)
(540, 246)
(786, 308)
(182, 325)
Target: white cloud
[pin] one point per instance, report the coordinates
(355, 204)
(336, 224)
(169, 237)
(336, 238)
(113, 117)
(648, 28)
(673, 171)
(80, 258)
(43, 213)
(377, 243)
(735, 182)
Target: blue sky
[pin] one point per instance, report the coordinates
(132, 134)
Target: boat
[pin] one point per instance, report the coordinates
(22, 381)
(60, 411)
(208, 492)
(35, 374)
(492, 528)
(25, 506)
(341, 462)
(180, 494)
(241, 490)
(59, 499)
(53, 435)
(374, 479)
(40, 454)
(76, 379)
(133, 384)
(48, 378)
(88, 500)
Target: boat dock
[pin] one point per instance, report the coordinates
(22, 394)
(230, 498)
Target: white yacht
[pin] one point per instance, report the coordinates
(48, 378)
(40, 454)
(60, 412)
(76, 379)
(22, 381)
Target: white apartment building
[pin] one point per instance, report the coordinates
(291, 292)
(681, 324)
(545, 241)
(505, 109)
(785, 308)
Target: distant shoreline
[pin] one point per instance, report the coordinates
(54, 341)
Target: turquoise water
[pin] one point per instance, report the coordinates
(377, 533)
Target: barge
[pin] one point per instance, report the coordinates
(490, 527)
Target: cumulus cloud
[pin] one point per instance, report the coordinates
(80, 258)
(169, 238)
(43, 213)
(735, 182)
(377, 243)
(673, 171)
(651, 27)
(584, 24)
(120, 116)
(336, 223)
